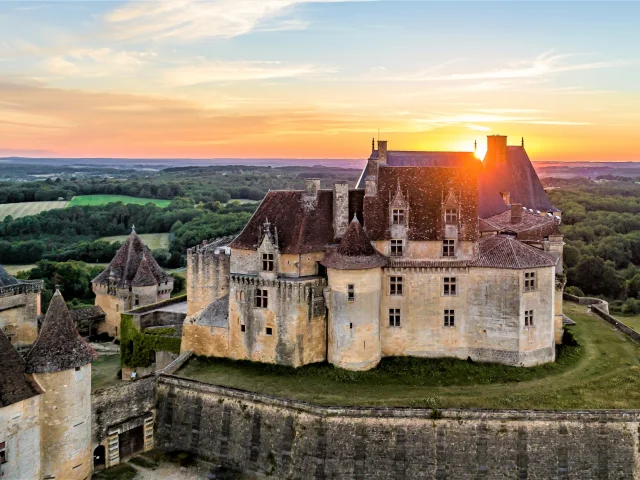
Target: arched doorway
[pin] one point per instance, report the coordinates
(99, 457)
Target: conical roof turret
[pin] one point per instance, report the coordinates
(14, 386)
(355, 251)
(59, 346)
(7, 280)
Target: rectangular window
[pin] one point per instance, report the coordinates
(117, 307)
(449, 318)
(262, 300)
(451, 216)
(528, 318)
(351, 293)
(448, 248)
(136, 300)
(449, 286)
(3, 453)
(395, 285)
(269, 331)
(529, 281)
(394, 317)
(396, 248)
(267, 262)
(397, 216)
(243, 328)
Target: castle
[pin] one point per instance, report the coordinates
(433, 254)
(45, 402)
(19, 308)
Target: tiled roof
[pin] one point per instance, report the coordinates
(425, 189)
(14, 385)
(355, 251)
(125, 264)
(7, 280)
(59, 346)
(216, 314)
(499, 251)
(87, 313)
(144, 276)
(400, 263)
(531, 225)
(304, 222)
(518, 177)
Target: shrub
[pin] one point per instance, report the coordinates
(574, 291)
(631, 306)
(568, 338)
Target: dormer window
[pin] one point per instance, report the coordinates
(398, 216)
(267, 262)
(451, 216)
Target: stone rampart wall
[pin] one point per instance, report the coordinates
(259, 435)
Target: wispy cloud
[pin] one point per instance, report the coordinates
(194, 19)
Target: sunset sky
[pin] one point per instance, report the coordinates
(317, 79)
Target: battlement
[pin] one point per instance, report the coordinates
(208, 268)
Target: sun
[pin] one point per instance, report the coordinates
(480, 153)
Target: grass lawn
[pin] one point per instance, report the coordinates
(104, 371)
(632, 321)
(23, 209)
(94, 200)
(602, 372)
(152, 240)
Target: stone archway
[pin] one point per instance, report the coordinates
(99, 457)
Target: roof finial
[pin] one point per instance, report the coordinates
(133, 228)
(373, 144)
(523, 141)
(475, 145)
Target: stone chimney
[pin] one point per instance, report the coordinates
(496, 151)
(516, 213)
(312, 185)
(370, 186)
(340, 208)
(382, 151)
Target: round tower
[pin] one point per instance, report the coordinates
(60, 362)
(354, 271)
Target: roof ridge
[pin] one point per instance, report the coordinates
(513, 252)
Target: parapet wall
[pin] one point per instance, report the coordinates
(260, 435)
(207, 276)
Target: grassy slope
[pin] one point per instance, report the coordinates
(104, 370)
(94, 200)
(632, 321)
(17, 210)
(603, 372)
(152, 240)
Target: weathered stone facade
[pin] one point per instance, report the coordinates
(257, 435)
(416, 272)
(20, 433)
(19, 308)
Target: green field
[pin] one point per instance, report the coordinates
(154, 241)
(602, 372)
(17, 210)
(95, 200)
(14, 269)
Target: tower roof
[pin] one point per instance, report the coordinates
(14, 385)
(7, 280)
(126, 263)
(59, 346)
(355, 251)
(499, 251)
(144, 276)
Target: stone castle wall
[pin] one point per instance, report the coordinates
(66, 423)
(20, 430)
(207, 277)
(18, 316)
(260, 435)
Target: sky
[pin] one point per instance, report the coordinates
(317, 79)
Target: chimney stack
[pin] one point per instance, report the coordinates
(382, 151)
(516, 213)
(496, 151)
(340, 208)
(312, 185)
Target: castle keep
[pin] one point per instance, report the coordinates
(433, 254)
(19, 308)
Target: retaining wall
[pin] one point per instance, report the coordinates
(258, 435)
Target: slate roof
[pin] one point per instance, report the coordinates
(7, 280)
(14, 385)
(519, 178)
(144, 276)
(531, 226)
(304, 223)
(425, 189)
(216, 314)
(127, 261)
(499, 251)
(59, 346)
(355, 251)
(87, 313)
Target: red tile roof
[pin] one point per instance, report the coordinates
(532, 226)
(355, 251)
(499, 251)
(59, 346)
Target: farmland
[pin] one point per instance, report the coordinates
(23, 209)
(96, 200)
(154, 241)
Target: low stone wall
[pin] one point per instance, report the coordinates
(601, 308)
(258, 435)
